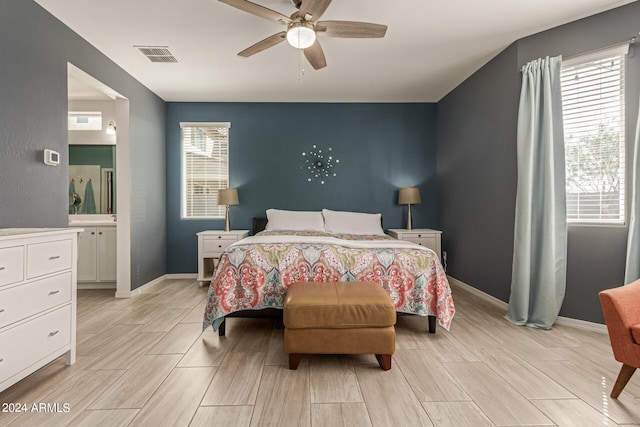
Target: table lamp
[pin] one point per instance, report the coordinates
(409, 196)
(228, 197)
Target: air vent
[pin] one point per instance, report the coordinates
(157, 53)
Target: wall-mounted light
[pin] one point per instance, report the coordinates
(111, 128)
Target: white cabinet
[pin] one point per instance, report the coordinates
(211, 244)
(37, 300)
(427, 237)
(97, 254)
(107, 254)
(87, 255)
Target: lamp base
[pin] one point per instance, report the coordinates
(409, 225)
(227, 223)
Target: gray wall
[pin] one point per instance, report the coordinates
(477, 168)
(35, 48)
(477, 175)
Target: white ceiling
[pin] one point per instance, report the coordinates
(430, 46)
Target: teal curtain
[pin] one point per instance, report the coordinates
(632, 270)
(538, 276)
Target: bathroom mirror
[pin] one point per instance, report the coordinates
(92, 179)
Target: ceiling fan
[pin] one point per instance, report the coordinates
(303, 26)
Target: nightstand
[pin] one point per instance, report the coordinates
(427, 237)
(211, 244)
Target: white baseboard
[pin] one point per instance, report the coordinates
(581, 324)
(88, 285)
(563, 321)
(181, 276)
(477, 292)
(141, 289)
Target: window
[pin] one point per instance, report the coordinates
(594, 133)
(594, 128)
(84, 120)
(205, 168)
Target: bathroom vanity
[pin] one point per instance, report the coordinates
(97, 250)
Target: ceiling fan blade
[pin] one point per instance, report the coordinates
(315, 8)
(351, 29)
(264, 44)
(257, 10)
(315, 56)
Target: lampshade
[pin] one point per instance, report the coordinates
(301, 35)
(409, 196)
(228, 196)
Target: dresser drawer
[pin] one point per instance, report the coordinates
(11, 265)
(217, 246)
(20, 302)
(49, 257)
(26, 344)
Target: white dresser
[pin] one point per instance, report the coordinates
(427, 237)
(37, 299)
(211, 244)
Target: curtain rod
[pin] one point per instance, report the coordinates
(630, 41)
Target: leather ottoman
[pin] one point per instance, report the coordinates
(339, 318)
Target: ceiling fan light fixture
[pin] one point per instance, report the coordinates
(301, 35)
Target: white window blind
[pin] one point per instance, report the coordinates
(205, 168)
(594, 129)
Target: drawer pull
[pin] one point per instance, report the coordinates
(54, 292)
(1, 268)
(219, 246)
(51, 258)
(1, 310)
(219, 237)
(93, 232)
(53, 333)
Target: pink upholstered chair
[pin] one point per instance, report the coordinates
(621, 308)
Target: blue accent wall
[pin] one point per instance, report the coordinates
(381, 148)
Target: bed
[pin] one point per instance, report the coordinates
(254, 273)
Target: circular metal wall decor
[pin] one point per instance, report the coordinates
(319, 165)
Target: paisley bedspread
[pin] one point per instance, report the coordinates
(255, 272)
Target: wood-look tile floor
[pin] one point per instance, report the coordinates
(145, 361)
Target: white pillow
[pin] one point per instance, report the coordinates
(337, 222)
(281, 220)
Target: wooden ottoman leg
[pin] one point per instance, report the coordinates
(384, 360)
(294, 360)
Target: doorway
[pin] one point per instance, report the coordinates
(84, 91)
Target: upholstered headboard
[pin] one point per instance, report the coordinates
(259, 225)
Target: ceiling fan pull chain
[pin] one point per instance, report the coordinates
(300, 66)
